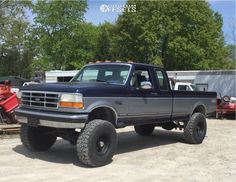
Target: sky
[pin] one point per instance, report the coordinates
(97, 14)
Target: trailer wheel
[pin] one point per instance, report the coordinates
(37, 138)
(144, 129)
(97, 143)
(196, 128)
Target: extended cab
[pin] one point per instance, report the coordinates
(105, 96)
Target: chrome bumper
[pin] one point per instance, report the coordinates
(51, 119)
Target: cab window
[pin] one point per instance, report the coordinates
(162, 82)
(140, 75)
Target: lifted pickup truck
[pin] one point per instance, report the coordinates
(105, 96)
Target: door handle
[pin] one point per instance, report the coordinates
(153, 93)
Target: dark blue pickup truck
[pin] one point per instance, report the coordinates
(105, 96)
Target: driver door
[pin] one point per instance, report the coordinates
(141, 102)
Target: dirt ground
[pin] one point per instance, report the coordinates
(161, 157)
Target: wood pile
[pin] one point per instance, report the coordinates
(9, 128)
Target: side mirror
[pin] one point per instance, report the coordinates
(146, 85)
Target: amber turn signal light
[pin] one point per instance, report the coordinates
(78, 105)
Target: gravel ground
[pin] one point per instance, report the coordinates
(161, 157)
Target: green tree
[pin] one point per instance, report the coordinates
(63, 39)
(231, 48)
(104, 42)
(230, 60)
(84, 47)
(15, 55)
(179, 35)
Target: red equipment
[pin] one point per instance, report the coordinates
(225, 106)
(8, 102)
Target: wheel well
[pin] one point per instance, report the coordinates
(200, 109)
(104, 113)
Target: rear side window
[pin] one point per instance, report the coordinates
(162, 82)
(108, 73)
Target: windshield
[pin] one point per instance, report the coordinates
(113, 74)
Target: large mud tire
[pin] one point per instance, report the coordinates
(97, 143)
(37, 139)
(195, 129)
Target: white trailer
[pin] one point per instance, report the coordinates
(59, 76)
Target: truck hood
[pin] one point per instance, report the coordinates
(87, 89)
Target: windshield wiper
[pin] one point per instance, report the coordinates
(102, 81)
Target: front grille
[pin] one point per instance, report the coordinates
(40, 99)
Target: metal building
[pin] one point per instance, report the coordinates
(220, 81)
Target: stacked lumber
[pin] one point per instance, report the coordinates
(9, 128)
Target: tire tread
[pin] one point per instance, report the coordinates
(189, 129)
(31, 144)
(83, 142)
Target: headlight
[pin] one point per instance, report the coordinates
(71, 100)
(19, 94)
